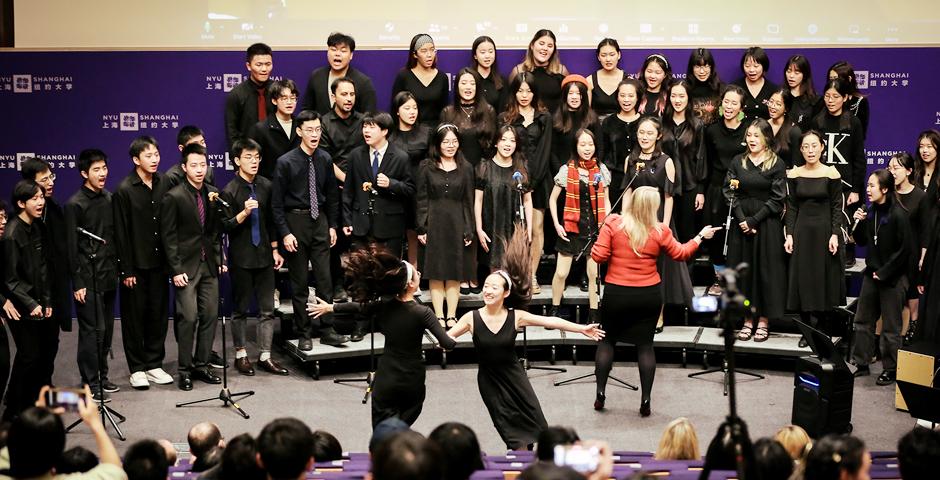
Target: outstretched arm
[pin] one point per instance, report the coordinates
(526, 319)
(462, 327)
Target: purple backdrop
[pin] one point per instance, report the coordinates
(56, 103)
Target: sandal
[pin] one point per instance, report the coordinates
(746, 333)
(442, 322)
(761, 334)
(536, 289)
(450, 323)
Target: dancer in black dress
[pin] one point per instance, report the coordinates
(798, 80)
(756, 236)
(606, 79)
(705, 94)
(815, 233)
(414, 138)
(618, 135)
(528, 115)
(445, 221)
(684, 142)
(655, 75)
(504, 386)
(754, 65)
(492, 84)
(584, 181)
(786, 133)
(541, 60)
(422, 78)
(498, 198)
(912, 200)
(474, 118)
(648, 166)
(383, 286)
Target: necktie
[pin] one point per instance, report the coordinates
(312, 182)
(255, 219)
(201, 208)
(375, 164)
(262, 105)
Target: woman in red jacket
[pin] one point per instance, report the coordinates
(632, 298)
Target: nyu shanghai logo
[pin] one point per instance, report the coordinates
(880, 157)
(136, 122)
(869, 80)
(27, 83)
(56, 160)
(225, 82)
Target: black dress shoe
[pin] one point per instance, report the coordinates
(802, 343)
(271, 366)
(243, 365)
(658, 330)
(215, 360)
(185, 382)
(584, 285)
(599, 401)
(204, 375)
(357, 335)
(887, 377)
(465, 290)
(862, 371)
(645, 409)
(911, 332)
(305, 344)
(109, 387)
(850, 262)
(476, 290)
(333, 339)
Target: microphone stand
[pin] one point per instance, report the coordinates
(595, 232)
(108, 414)
(225, 395)
(734, 188)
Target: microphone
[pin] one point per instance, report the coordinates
(91, 235)
(640, 166)
(367, 187)
(597, 179)
(214, 196)
(517, 176)
(855, 224)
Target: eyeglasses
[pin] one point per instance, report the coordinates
(311, 131)
(289, 99)
(45, 180)
(450, 143)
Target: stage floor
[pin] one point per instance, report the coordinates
(452, 394)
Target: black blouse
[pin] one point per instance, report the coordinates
(685, 144)
(431, 99)
(756, 107)
(602, 103)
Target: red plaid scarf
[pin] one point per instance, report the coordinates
(572, 211)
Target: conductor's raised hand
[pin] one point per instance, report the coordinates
(593, 331)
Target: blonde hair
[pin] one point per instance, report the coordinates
(640, 215)
(795, 440)
(769, 156)
(679, 441)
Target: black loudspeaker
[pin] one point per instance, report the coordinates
(822, 397)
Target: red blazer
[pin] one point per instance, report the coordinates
(628, 269)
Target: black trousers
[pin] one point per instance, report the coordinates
(257, 283)
(144, 320)
(88, 334)
(197, 313)
(313, 249)
(36, 344)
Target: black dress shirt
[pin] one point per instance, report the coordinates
(241, 252)
(291, 189)
(274, 142)
(25, 273)
(341, 136)
(241, 109)
(137, 224)
(93, 212)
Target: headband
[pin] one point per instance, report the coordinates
(423, 40)
(505, 275)
(447, 125)
(409, 271)
(659, 57)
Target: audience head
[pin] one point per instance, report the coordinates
(171, 454)
(460, 450)
(238, 460)
(549, 471)
(326, 447)
(190, 134)
(76, 460)
(39, 171)
(919, 454)
(795, 441)
(838, 457)
(36, 441)
(285, 448)
(406, 456)
(771, 460)
(146, 460)
(211, 459)
(679, 441)
(385, 430)
(550, 438)
(722, 451)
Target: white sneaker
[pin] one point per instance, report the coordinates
(159, 376)
(139, 381)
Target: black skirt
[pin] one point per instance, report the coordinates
(629, 314)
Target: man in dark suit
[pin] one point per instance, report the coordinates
(276, 134)
(305, 207)
(247, 103)
(190, 224)
(378, 187)
(175, 176)
(339, 53)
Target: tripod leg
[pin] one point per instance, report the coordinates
(109, 415)
(751, 374)
(625, 384)
(705, 372)
(571, 380)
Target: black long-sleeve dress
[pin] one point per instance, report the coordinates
(500, 209)
(685, 144)
(445, 214)
(914, 205)
(759, 201)
(814, 214)
(415, 143)
(431, 98)
(535, 140)
(756, 107)
(504, 386)
(722, 144)
(675, 282)
(399, 390)
(618, 138)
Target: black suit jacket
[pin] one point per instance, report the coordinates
(274, 142)
(317, 95)
(184, 238)
(388, 219)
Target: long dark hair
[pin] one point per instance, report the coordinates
(400, 99)
(373, 273)
(806, 86)
(699, 57)
(832, 454)
(843, 89)
(657, 148)
(906, 161)
(661, 99)
(512, 105)
(567, 120)
(518, 157)
(483, 118)
(434, 150)
(919, 168)
(782, 139)
(517, 264)
(494, 69)
(847, 74)
(637, 87)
